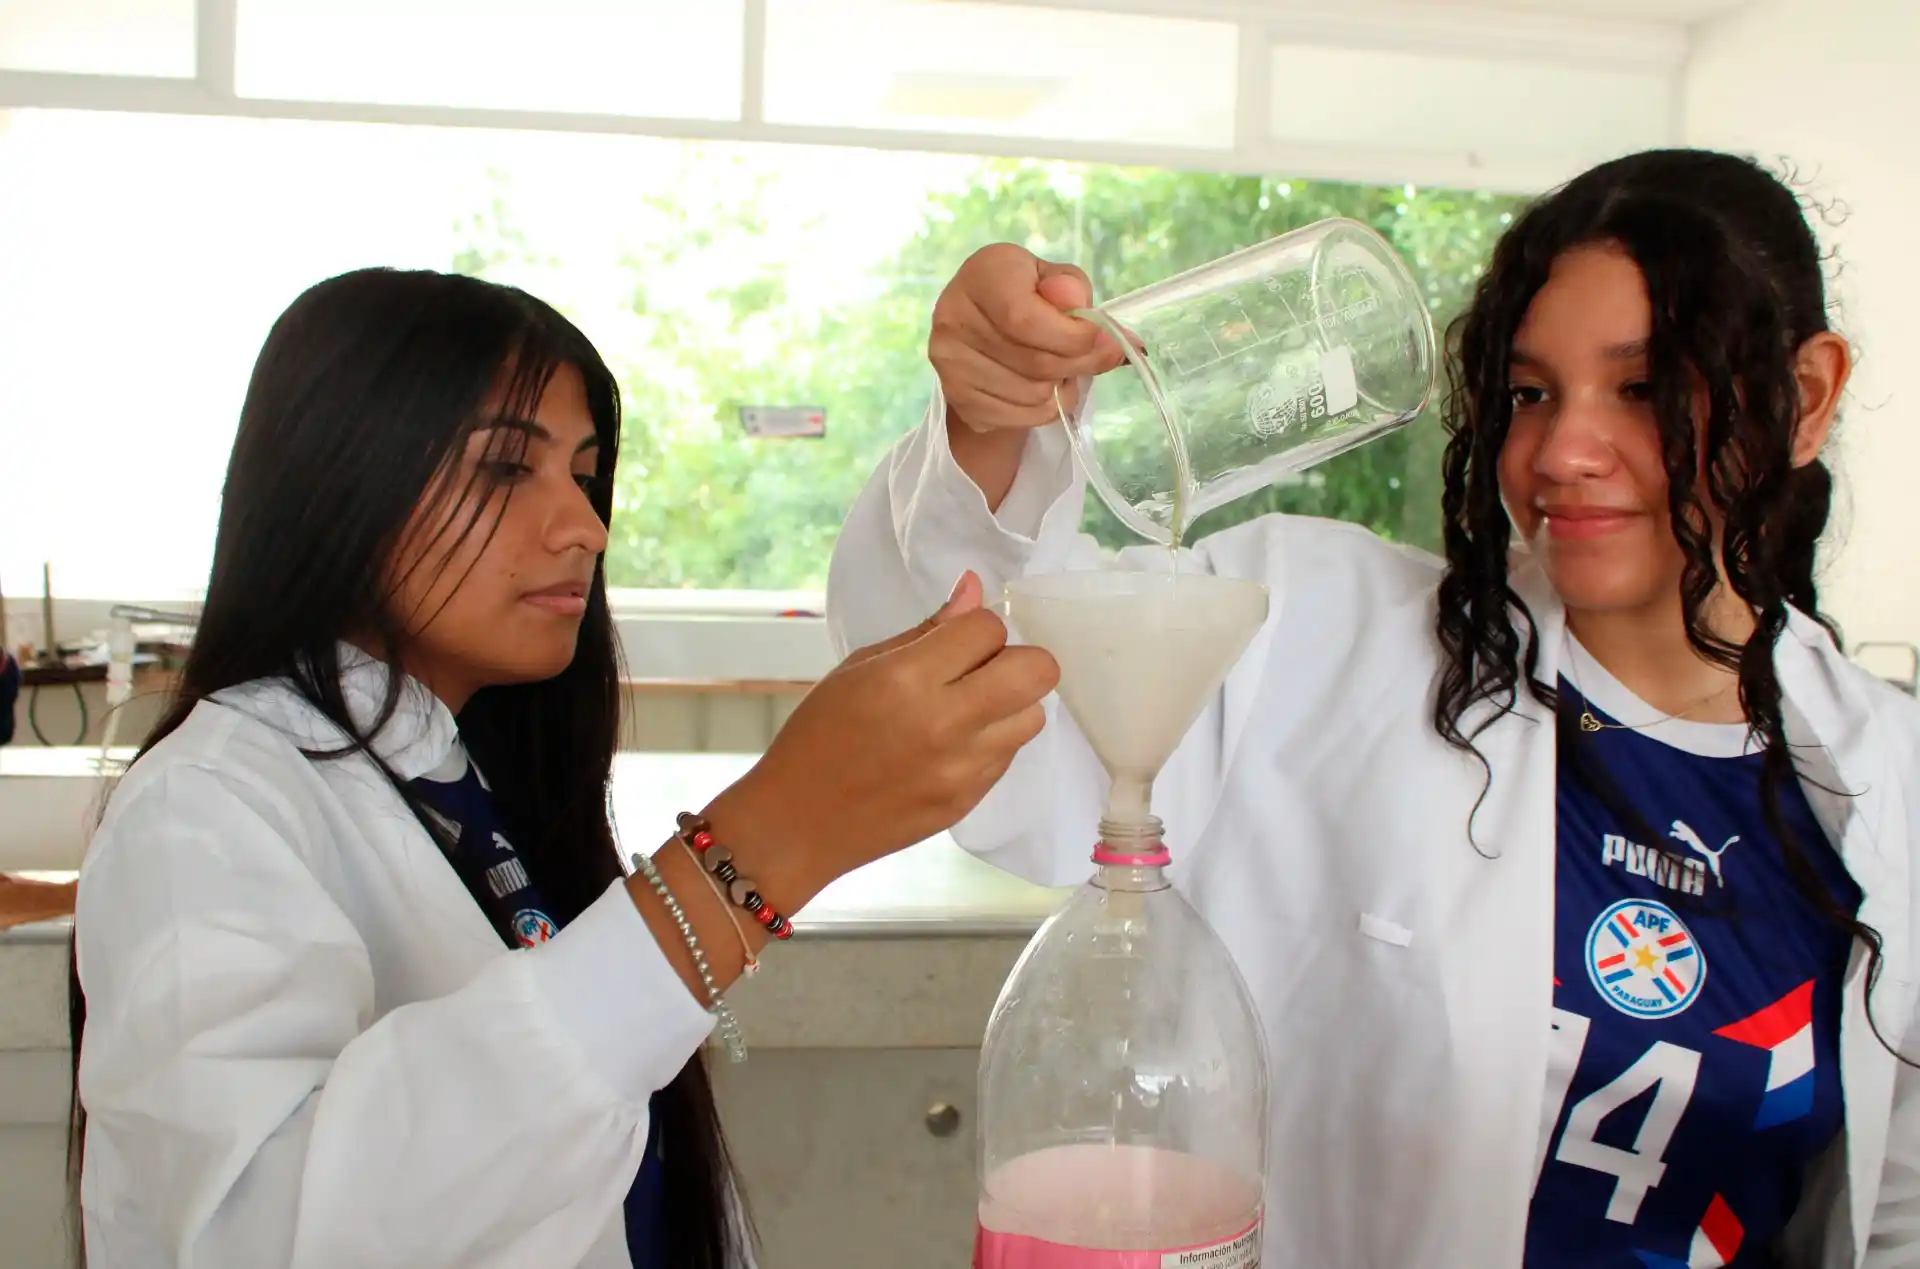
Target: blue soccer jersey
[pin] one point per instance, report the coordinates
(1695, 1062)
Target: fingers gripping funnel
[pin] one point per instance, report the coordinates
(1139, 655)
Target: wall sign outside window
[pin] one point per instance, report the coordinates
(767, 422)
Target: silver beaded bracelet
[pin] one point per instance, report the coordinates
(728, 1025)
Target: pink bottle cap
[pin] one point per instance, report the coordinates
(1122, 857)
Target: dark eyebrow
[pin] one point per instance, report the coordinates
(534, 429)
(1633, 350)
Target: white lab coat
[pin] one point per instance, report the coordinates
(1320, 825)
(306, 1046)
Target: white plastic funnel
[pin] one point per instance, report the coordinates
(1139, 655)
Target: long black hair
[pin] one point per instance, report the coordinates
(359, 405)
(1734, 278)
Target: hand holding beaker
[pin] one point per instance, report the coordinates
(1003, 339)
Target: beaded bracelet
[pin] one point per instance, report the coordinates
(718, 860)
(729, 1026)
(752, 964)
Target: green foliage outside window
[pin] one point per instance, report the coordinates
(701, 504)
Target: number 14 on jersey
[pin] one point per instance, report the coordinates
(1667, 1068)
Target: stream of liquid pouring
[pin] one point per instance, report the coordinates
(1138, 357)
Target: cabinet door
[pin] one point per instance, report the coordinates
(33, 1153)
(855, 1158)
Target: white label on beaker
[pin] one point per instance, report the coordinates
(1303, 391)
(1336, 375)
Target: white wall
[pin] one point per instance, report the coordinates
(1835, 87)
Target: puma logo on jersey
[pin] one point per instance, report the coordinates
(1692, 839)
(1665, 868)
(507, 877)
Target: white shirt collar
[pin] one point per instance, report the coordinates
(1620, 703)
(419, 738)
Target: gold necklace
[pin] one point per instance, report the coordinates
(1590, 724)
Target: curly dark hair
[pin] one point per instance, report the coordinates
(1735, 282)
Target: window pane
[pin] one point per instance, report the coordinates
(713, 277)
(1495, 106)
(140, 282)
(656, 58)
(1001, 70)
(98, 37)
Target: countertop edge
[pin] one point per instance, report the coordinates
(989, 925)
(34, 933)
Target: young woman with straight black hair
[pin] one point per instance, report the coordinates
(360, 979)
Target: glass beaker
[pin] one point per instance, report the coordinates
(1250, 368)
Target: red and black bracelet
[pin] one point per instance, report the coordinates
(718, 860)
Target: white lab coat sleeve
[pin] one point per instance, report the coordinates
(1893, 1234)
(919, 523)
(267, 1114)
(1894, 1240)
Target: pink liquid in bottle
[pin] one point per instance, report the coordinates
(1105, 1206)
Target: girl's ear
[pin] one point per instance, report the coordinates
(1822, 367)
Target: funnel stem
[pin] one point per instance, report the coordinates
(1129, 798)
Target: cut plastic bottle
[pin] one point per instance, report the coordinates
(1123, 1082)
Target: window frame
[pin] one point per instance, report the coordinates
(723, 635)
(1642, 44)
